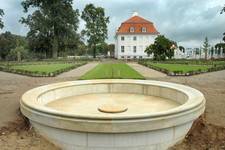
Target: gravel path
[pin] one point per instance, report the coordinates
(76, 73)
(212, 85)
(12, 86)
(146, 72)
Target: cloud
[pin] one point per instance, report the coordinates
(185, 21)
(13, 12)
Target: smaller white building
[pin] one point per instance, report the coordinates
(198, 53)
(178, 54)
(133, 37)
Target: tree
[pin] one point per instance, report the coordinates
(224, 37)
(18, 53)
(96, 26)
(50, 25)
(112, 49)
(102, 48)
(82, 49)
(212, 52)
(206, 47)
(220, 47)
(181, 48)
(70, 45)
(1, 22)
(223, 10)
(8, 42)
(162, 48)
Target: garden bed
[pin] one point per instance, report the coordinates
(184, 69)
(40, 69)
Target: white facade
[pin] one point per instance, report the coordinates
(198, 53)
(132, 46)
(178, 54)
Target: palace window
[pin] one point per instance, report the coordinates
(135, 38)
(143, 29)
(122, 49)
(122, 38)
(135, 49)
(131, 29)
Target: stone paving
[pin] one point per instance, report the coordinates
(78, 72)
(146, 72)
(12, 86)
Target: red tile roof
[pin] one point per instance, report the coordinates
(138, 23)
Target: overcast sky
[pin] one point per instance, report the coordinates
(186, 21)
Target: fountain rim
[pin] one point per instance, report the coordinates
(195, 99)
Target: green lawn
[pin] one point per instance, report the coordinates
(46, 68)
(40, 69)
(112, 71)
(181, 67)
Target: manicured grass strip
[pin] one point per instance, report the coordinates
(112, 71)
(45, 68)
(181, 67)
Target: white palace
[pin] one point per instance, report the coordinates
(136, 34)
(133, 36)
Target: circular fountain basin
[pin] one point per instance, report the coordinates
(113, 114)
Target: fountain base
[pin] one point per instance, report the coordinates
(112, 108)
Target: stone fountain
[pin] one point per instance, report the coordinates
(113, 114)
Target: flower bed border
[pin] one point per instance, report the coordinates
(180, 72)
(41, 74)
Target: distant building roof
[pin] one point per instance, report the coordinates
(137, 24)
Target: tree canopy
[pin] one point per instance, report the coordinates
(181, 48)
(18, 53)
(162, 48)
(224, 37)
(8, 41)
(96, 26)
(220, 46)
(102, 48)
(1, 22)
(51, 25)
(223, 10)
(111, 49)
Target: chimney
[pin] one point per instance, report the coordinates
(135, 14)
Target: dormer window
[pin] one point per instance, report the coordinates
(143, 29)
(131, 29)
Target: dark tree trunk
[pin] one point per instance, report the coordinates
(55, 48)
(206, 54)
(94, 51)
